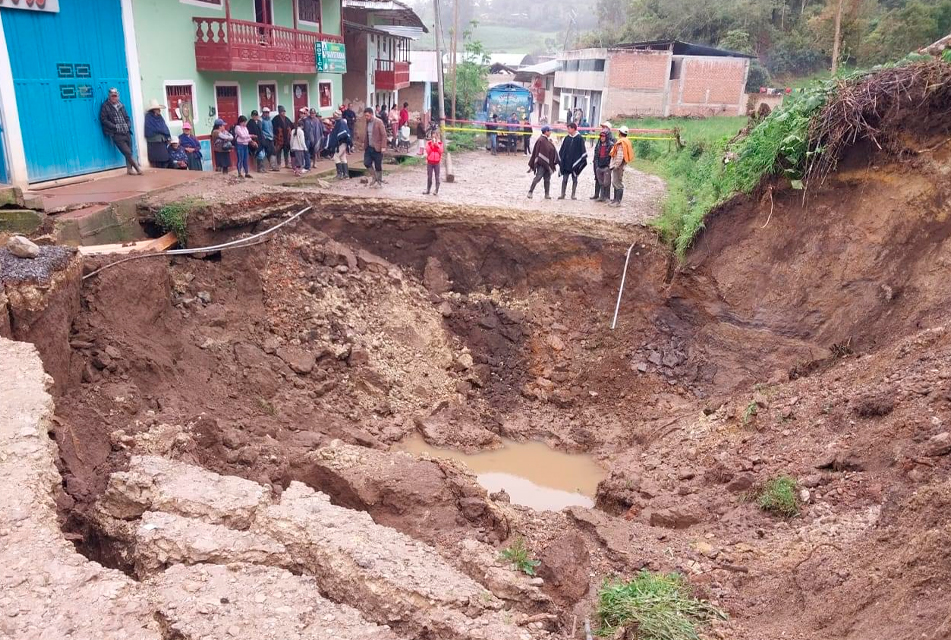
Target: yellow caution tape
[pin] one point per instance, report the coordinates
(557, 133)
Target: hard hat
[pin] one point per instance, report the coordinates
(623, 130)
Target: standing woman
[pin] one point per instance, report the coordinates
(434, 151)
(191, 146)
(242, 140)
(221, 142)
(157, 135)
(394, 116)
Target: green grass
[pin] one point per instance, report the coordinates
(457, 141)
(497, 39)
(658, 606)
(750, 412)
(520, 557)
(779, 497)
(174, 217)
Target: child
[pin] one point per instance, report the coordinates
(222, 143)
(242, 139)
(434, 150)
(299, 149)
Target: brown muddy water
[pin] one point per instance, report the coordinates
(532, 473)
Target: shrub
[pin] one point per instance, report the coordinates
(520, 557)
(658, 605)
(778, 496)
(174, 217)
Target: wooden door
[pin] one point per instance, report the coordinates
(301, 98)
(267, 97)
(226, 99)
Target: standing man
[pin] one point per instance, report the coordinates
(267, 131)
(340, 141)
(257, 139)
(573, 158)
(117, 126)
(310, 133)
(512, 137)
(375, 144)
(351, 117)
(621, 154)
(318, 136)
(492, 126)
(543, 161)
(282, 137)
(602, 167)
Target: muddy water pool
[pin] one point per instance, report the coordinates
(533, 474)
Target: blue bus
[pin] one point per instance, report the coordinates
(503, 100)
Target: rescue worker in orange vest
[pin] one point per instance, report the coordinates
(621, 154)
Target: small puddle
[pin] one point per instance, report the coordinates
(533, 474)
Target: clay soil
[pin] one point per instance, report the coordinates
(812, 346)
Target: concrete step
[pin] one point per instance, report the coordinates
(99, 224)
(23, 221)
(11, 197)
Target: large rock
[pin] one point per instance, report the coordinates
(299, 360)
(22, 248)
(565, 564)
(678, 517)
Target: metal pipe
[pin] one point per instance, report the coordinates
(620, 290)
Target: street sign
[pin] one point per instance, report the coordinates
(331, 57)
(50, 6)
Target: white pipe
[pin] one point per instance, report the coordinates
(620, 290)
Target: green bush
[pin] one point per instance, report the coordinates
(659, 606)
(520, 557)
(779, 496)
(174, 217)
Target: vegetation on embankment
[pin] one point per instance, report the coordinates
(802, 140)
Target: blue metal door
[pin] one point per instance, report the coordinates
(3, 158)
(63, 65)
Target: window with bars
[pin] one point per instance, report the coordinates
(308, 11)
(181, 105)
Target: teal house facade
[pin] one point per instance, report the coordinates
(209, 59)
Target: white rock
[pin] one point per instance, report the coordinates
(22, 248)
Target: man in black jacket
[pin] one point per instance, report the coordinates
(602, 163)
(573, 158)
(117, 126)
(543, 161)
(254, 128)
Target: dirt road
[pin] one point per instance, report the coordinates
(503, 181)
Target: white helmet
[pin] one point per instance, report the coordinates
(623, 130)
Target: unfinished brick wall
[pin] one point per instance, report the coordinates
(710, 86)
(645, 70)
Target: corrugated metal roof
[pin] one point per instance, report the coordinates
(681, 48)
(540, 69)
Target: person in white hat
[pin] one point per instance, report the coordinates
(117, 126)
(157, 135)
(621, 154)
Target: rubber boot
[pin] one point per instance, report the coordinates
(563, 186)
(618, 194)
(339, 171)
(346, 171)
(574, 190)
(597, 192)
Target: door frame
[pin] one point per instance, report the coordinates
(228, 83)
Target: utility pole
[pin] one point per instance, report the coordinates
(442, 95)
(453, 55)
(838, 37)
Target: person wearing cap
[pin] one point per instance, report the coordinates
(222, 142)
(282, 137)
(157, 135)
(191, 147)
(177, 158)
(267, 140)
(543, 161)
(621, 155)
(340, 141)
(602, 163)
(573, 158)
(117, 126)
(374, 146)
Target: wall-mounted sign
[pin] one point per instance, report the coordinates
(50, 6)
(331, 57)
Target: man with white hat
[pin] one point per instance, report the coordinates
(157, 135)
(117, 126)
(621, 154)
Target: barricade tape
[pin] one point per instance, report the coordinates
(559, 127)
(557, 133)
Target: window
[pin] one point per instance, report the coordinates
(309, 11)
(591, 64)
(325, 91)
(676, 67)
(181, 104)
(572, 65)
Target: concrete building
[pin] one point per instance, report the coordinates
(540, 79)
(662, 78)
(378, 38)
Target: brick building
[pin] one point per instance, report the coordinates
(663, 78)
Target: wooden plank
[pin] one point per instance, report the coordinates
(148, 246)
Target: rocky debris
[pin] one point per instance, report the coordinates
(565, 565)
(435, 278)
(675, 517)
(841, 460)
(163, 539)
(484, 565)
(6, 331)
(454, 428)
(299, 360)
(46, 587)
(157, 484)
(876, 404)
(938, 445)
(427, 498)
(245, 601)
(22, 248)
(395, 579)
